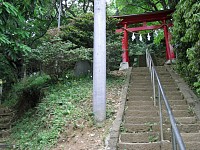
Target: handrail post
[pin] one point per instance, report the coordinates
(147, 58)
(154, 89)
(160, 113)
(174, 146)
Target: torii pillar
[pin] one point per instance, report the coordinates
(169, 49)
(125, 57)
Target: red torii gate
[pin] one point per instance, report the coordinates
(162, 16)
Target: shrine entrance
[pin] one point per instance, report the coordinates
(163, 17)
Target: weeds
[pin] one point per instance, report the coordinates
(153, 138)
(191, 110)
(150, 125)
(65, 104)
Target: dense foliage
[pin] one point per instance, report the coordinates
(141, 6)
(186, 39)
(60, 50)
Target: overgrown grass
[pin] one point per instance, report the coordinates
(63, 106)
(29, 85)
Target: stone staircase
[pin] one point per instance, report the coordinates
(140, 129)
(6, 117)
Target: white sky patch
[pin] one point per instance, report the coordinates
(108, 1)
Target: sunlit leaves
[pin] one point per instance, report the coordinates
(186, 39)
(141, 6)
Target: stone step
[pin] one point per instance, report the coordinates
(147, 127)
(7, 146)
(141, 85)
(191, 137)
(133, 102)
(184, 120)
(168, 89)
(145, 120)
(166, 83)
(3, 140)
(140, 93)
(167, 80)
(141, 108)
(172, 93)
(148, 78)
(160, 73)
(177, 113)
(192, 145)
(141, 113)
(141, 120)
(5, 133)
(7, 114)
(189, 128)
(150, 92)
(142, 146)
(179, 107)
(173, 107)
(138, 77)
(155, 127)
(5, 119)
(189, 146)
(5, 110)
(176, 102)
(140, 69)
(139, 103)
(133, 88)
(161, 68)
(139, 98)
(138, 82)
(165, 76)
(141, 73)
(5, 126)
(144, 137)
(174, 97)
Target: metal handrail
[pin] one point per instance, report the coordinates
(176, 136)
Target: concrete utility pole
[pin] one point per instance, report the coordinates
(59, 14)
(99, 61)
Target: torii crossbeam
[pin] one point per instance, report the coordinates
(162, 16)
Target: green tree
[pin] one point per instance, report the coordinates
(186, 39)
(22, 24)
(12, 35)
(141, 6)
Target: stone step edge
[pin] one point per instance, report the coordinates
(158, 142)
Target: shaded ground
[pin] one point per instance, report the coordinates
(92, 137)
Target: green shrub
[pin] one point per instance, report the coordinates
(186, 40)
(30, 87)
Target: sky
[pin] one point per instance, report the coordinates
(108, 1)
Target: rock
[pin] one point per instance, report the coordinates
(82, 68)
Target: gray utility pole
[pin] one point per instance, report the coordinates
(99, 61)
(59, 14)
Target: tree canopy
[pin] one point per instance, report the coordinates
(141, 6)
(186, 40)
